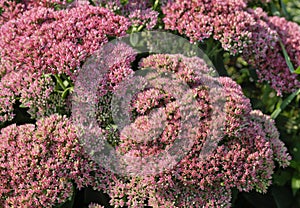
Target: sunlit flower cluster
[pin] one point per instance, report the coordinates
(44, 41)
(240, 30)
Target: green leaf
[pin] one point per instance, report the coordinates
(274, 9)
(285, 103)
(155, 4)
(66, 83)
(65, 92)
(295, 184)
(284, 10)
(23, 106)
(282, 177)
(287, 58)
(59, 81)
(297, 71)
(296, 165)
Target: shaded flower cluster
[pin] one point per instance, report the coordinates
(33, 92)
(7, 100)
(251, 33)
(265, 52)
(39, 96)
(243, 158)
(140, 13)
(41, 164)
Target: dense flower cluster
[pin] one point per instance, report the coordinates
(33, 92)
(178, 109)
(265, 51)
(39, 96)
(13, 9)
(41, 164)
(45, 41)
(48, 41)
(140, 13)
(244, 158)
(9, 10)
(7, 100)
(200, 19)
(244, 31)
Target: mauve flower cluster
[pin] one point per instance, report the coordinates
(198, 20)
(7, 100)
(33, 92)
(11, 85)
(43, 41)
(47, 41)
(265, 52)
(245, 31)
(139, 12)
(41, 164)
(13, 9)
(243, 158)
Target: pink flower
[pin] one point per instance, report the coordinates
(41, 164)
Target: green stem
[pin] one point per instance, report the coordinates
(287, 58)
(284, 104)
(155, 4)
(140, 28)
(65, 93)
(59, 81)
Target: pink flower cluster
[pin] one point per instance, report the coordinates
(11, 85)
(200, 19)
(40, 165)
(7, 100)
(139, 12)
(265, 52)
(9, 10)
(13, 9)
(46, 41)
(39, 96)
(251, 33)
(33, 92)
(244, 158)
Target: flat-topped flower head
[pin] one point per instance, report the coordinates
(243, 158)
